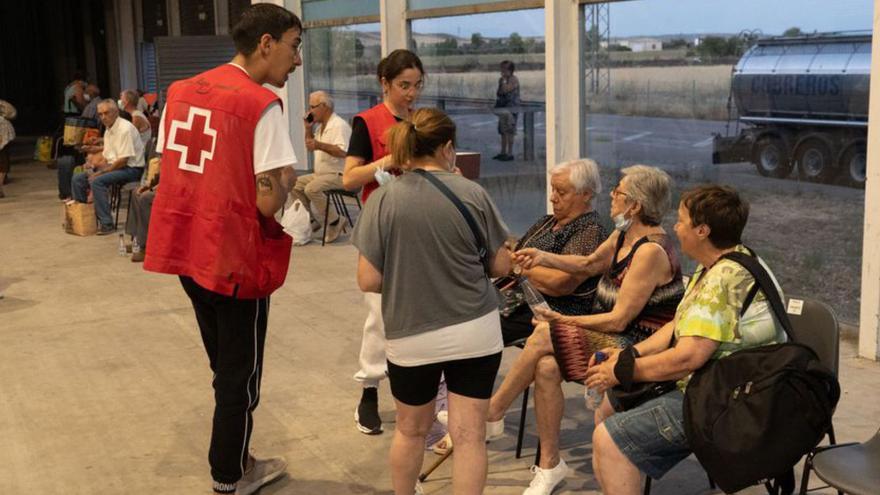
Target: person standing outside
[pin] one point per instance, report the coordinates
(507, 95)
(329, 146)
(401, 76)
(226, 170)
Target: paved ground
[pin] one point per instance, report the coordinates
(106, 388)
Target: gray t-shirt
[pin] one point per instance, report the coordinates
(418, 240)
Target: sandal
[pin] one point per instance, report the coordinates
(443, 445)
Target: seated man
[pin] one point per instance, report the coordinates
(708, 325)
(123, 162)
(329, 145)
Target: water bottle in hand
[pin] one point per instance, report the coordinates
(532, 297)
(592, 395)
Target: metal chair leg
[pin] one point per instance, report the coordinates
(326, 212)
(437, 463)
(647, 485)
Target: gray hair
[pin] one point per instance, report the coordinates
(130, 96)
(111, 102)
(324, 98)
(583, 174)
(651, 187)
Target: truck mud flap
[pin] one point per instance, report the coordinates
(731, 149)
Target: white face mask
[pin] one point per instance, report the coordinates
(87, 97)
(120, 104)
(621, 222)
(382, 177)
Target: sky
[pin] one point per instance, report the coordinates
(658, 17)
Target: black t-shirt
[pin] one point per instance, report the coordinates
(360, 145)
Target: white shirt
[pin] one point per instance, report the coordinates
(147, 134)
(122, 139)
(470, 339)
(336, 132)
(272, 146)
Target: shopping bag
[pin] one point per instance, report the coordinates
(79, 218)
(297, 224)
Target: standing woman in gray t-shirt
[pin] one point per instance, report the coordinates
(439, 307)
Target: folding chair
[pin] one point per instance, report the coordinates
(337, 197)
(852, 468)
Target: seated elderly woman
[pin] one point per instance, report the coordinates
(573, 228)
(639, 290)
(707, 325)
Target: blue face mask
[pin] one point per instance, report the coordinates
(622, 223)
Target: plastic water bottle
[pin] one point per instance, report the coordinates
(592, 396)
(135, 247)
(532, 297)
(121, 248)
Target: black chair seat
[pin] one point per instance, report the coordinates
(853, 468)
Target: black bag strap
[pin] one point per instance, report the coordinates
(482, 250)
(765, 283)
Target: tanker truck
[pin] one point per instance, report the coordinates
(801, 104)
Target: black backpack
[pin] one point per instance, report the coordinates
(750, 417)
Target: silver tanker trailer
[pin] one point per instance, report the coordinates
(801, 103)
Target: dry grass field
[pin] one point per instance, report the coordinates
(697, 92)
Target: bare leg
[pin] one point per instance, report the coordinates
(522, 373)
(467, 426)
(616, 474)
(603, 411)
(549, 407)
(408, 445)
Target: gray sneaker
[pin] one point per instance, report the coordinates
(263, 472)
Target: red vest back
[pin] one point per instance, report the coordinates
(378, 119)
(205, 223)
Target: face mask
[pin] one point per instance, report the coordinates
(382, 177)
(120, 104)
(87, 97)
(622, 223)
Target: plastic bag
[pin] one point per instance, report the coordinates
(297, 224)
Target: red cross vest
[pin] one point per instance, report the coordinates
(378, 119)
(205, 223)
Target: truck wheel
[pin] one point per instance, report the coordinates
(770, 155)
(815, 161)
(853, 165)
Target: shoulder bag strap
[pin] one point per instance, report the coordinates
(482, 250)
(763, 280)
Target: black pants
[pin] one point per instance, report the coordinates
(233, 332)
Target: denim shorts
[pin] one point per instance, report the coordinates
(652, 435)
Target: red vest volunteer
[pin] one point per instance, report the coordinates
(205, 224)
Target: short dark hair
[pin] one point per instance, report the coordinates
(260, 19)
(508, 64)
(396, 62)
(722, 209)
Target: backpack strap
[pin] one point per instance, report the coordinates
(765, 283)
(482, 250)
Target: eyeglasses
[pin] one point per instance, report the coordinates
(407, 86)
(617, 192)
(312, 107)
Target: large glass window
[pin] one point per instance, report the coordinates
(342, 60)
(462, 57)
(769, 97)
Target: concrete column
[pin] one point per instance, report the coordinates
(221, 16)
(126, 48)
(394, 27)
(869, 321)
(173, 9)
(564, 81)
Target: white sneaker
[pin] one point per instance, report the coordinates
(263, 472)
(546, 480)
(494, 429)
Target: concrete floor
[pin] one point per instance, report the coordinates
(106, 388)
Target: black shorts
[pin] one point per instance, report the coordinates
(417, 385)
